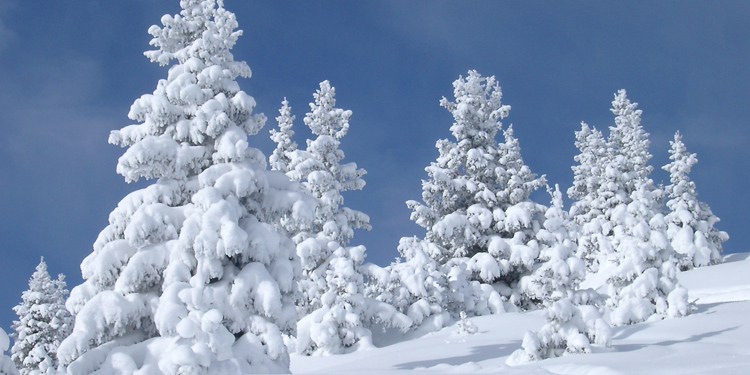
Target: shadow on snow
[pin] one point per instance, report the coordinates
(478, 354)
(694, 338)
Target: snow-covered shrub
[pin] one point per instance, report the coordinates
(569, 329)
(191, 276)
(475, 205)
(690, 222)
(465, 326)
(43, 323)
(6, 364)
(415, 286)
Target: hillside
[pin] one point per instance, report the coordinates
(712, 340)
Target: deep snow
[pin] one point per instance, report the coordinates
(712, 340)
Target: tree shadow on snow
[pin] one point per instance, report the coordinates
(703, 308)
(478, 353)
(694, 338)
(626, 331)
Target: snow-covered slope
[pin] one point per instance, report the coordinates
(712, 340)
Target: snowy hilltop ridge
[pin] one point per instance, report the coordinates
(711, 340)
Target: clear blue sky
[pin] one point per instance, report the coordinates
(71, 69)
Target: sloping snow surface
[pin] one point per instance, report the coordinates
(714, 339)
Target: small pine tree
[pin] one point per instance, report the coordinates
(465, 326)
(285, 146)
(332, 308)
(570, 327)
(558, 272)
(43, 322)
(690, 222)
(588, 208)
(416, 286)
(6, 364)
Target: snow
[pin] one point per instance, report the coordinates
(711, 340)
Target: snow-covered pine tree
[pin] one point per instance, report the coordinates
(280, 158)
(641, 269)
(191, 275)
(558, 272)
(415, 286)
(6, 364)
(43, 323)
(476, 206)
(587, 210)
(572, 324)
(690, 222)
(569, 329)
(333, 310)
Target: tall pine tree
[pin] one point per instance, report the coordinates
(690, 222)
(191, 275)
(334, 313)
(43, 322)
(476, 208)
(641, 267)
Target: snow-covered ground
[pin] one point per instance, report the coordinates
(714, 339)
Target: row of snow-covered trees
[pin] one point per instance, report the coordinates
(485, 236)
(224, 265)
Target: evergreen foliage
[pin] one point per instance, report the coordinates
(333, 311)
(476, 208)
(416, 286)
(588, 206)
(558, 272)
(191, 274)
(43, 322)
(634, 253)
(572, 323)
(280, 159)
(690, 222)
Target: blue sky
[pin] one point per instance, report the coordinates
(71, 69)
